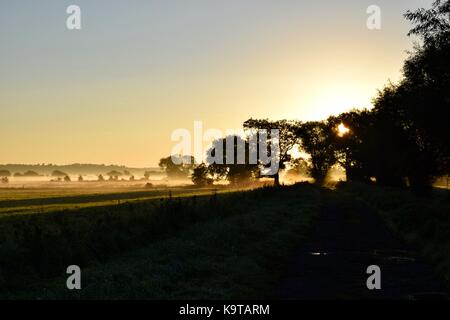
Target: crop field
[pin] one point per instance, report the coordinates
(42, 199)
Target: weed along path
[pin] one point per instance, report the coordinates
(348, 238)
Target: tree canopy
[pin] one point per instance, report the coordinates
(177, 166)
(231, 162)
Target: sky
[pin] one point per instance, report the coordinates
(114, 91)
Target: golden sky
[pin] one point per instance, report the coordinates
(114, 91)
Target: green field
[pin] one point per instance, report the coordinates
(212, 243)
(190, 246)
(42, 200)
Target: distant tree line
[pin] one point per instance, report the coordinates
(21, 170)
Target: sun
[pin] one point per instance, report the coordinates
(342, 130)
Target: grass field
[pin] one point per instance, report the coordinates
(211, 246)
(213, 243)
(48, 199)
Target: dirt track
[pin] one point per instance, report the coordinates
(333, 262)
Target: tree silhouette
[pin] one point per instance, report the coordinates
(315, 140)
(114, 175)
(287, 138)
(358, 151)
(57, 173)
(233, 166)
(31, 173)
(433, 24)
(201, 176)
(427, 82)
(177, 166)
(406, 134)
(410, 115)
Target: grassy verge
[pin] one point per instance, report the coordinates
(423, 222)
(216, 247)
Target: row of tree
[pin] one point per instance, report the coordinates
(406, 134)
(402, 141)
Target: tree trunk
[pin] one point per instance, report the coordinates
(277, 179)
